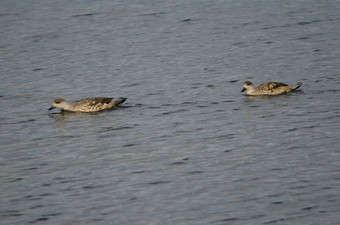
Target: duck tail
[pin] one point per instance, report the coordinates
(120, 100)
(298, 85)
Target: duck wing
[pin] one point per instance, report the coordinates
(271, 85)
(102, 100)
(94, 101)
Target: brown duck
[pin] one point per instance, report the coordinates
(87, 104)
(268, 88)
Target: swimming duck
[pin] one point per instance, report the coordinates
(268, 88)
(87, 104)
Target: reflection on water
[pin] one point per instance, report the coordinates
(67, 116)
(250, 97)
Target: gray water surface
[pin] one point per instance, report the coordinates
(186, 147)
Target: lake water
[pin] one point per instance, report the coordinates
(187, 147)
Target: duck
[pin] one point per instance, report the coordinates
(268, 88)
(87, 104)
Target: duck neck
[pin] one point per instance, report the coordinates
(66, 106)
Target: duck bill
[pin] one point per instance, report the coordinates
(243, 89)
(52, 107)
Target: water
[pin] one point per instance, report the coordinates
(186, 147)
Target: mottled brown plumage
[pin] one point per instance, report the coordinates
(87, 105)
(268, 88)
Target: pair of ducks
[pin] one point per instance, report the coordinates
(100, 104)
